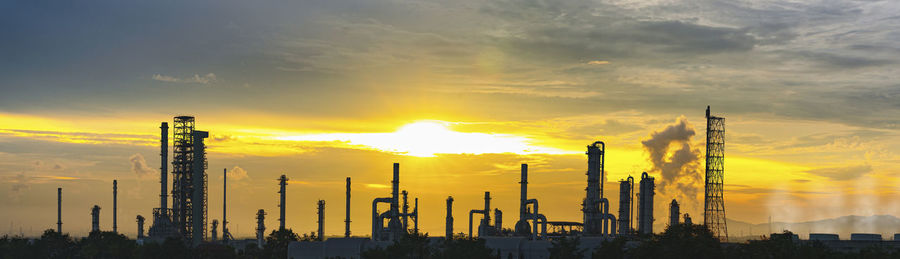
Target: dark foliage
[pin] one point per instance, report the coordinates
(566, 248)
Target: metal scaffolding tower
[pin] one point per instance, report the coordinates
(189, 180)
(714, 201)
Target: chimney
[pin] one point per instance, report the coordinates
(163, 167)
(347, 210)
(449, 231)
(59, 210)
(282, 182)
(115, 206)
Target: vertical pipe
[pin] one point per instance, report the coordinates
(524, 192)
(395, 191)
(416, 217)
(347, 211)
(282, 182)
(321, 212)
(449, 224)
(59, 210)
(115, 206)
(163, 167)
(224, 203)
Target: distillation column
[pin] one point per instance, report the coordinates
(674, 213)
(95, 218)
(321, 211)
(198, 199)
(140, 225)
(626, 191)
(645, 204)
(485, 225)
(593, 218)
(260, 228)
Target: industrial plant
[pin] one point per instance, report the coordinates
(393, 218)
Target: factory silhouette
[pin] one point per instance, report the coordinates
(393, 218)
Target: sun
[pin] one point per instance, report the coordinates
(428, 138)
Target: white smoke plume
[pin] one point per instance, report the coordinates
(676, 160)
(139, 166)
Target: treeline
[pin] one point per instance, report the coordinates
(102, 245)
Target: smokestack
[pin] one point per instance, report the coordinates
(163, 167)
(321, 211)
(115, 206)
(395, 192)
(224, 204)
(282, 181)
(347, 210)
(523, 196)
(416, 217)
(449, 227)
(59, 210)
(260, 228)
(95, 218)
(140, 225)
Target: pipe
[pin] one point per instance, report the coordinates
(347, 211)
(59, 210)
(395, 197)
(498, 220)
(163, 167)
(225, 205)
(375, 224)
(115, 206)
(449, 224)
(486, 219)
(604, 207)
(523, 196)
(534, 218)
(416, 217)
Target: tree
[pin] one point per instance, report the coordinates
(611, 248)
(463, 247)
(680, 241)
(565, 247)
(106, 244)
(277, 243)
(52, 244)
(410, 246)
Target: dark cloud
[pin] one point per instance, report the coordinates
(842, 173)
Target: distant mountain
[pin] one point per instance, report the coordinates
(886, 225)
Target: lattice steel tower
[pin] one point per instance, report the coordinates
(714, 198)
(189, 174)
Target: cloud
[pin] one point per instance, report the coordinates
(679, 168)
(195, 79)
(842, 173)
(237, 173)
(598, 62)
(139, 166)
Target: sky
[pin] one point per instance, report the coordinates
(460, 93)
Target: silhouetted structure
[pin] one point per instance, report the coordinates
(448, 231)
(714, 198)
(163, 226)
(260, 228)
(523, 228)
(626, 205)
(320, 209)
(645, 204)
(115, 206)
(59, 210)
(593, 220)
(674, 213)
(347, 211)
(226, 235)
(214, 231)
(95, 218)
(282, 184)
(484, 228)
(395, 228)
(189, 183)
(140, 227)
